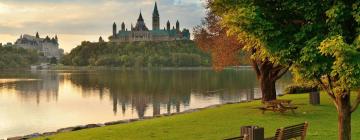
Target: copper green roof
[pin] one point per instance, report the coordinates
(124, 33)
(159, 33)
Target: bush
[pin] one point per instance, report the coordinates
(301, 88)
(53, 60)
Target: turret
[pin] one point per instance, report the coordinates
(168, 25)
(53, 40)
(123, 26)
(140, 19)
(156, 18)
(47, 38)
(177, 26)
(37, 35)
(114, 30)
(101, 39)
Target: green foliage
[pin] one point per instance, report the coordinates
(53, 60)
(320, 38)
(13, 57)
(330, 46)
(265, 28)
(301, 88)
(184, 59)
(137, 54)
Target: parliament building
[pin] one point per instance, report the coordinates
(142, 33)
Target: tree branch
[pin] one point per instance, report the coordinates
(330, 84)
(357, 102)
(327, 90)
(285, 70)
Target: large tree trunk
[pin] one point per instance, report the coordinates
(268, 73)
(344, 116)
(268, 89)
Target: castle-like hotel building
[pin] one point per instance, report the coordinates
(141, 33)
(48, 47)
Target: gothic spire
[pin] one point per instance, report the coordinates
(156, 11)
(140, 17)
(114, 30)
(168, 25)
(122, 26)
(177, 25)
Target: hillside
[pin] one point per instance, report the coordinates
(13, 57)
(138, 54)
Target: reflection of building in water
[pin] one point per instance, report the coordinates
(158, 92)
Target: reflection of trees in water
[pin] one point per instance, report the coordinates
(47, 86)
(165, 88)
(158, 90)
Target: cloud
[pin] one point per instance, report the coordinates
(90, 17)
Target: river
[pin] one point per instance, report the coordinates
(41, 101)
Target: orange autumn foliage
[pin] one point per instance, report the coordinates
(212, 38)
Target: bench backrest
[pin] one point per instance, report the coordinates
(295, 131)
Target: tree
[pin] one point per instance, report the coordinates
(219, 34)
(320, 38)
(331, 57)
(53, 60)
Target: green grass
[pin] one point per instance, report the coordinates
(224, 122)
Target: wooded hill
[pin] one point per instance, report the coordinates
(138, 54)
(13, 57)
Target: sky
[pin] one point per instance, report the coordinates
(74, 21)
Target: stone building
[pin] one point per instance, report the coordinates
(47, 46)
(141, 32)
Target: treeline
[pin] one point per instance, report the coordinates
(137, 54)
(14, 57)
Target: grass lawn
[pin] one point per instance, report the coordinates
(224, 122)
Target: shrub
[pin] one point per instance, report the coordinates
(301, 88)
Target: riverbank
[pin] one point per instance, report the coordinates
(63, 67)
(222, 122)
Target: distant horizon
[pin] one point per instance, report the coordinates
(78, 20)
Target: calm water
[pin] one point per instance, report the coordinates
(40, 101)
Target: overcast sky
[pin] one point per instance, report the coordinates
(77, 20)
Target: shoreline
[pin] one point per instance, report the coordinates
(126, 121)
(60, 68)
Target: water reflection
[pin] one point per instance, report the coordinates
(171, 90)
(55, 99)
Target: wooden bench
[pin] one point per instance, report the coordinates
(291, 132)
